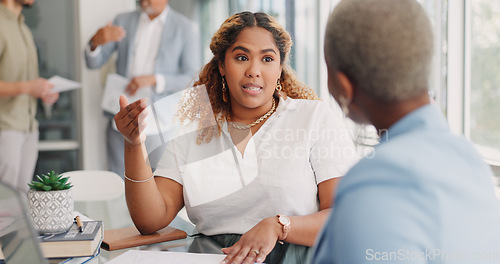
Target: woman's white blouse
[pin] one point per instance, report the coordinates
(302, 144)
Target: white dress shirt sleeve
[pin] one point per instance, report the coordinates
(160, 83)
(92, 53)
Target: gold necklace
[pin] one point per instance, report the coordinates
(266, 115)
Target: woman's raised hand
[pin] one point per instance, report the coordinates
(130, 121)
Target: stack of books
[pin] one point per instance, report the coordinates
(81, 245)
(72, 246)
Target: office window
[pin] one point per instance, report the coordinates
(482, 65)
(438, 14)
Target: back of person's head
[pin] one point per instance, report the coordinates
(384, 47)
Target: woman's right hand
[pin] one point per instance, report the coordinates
(130, 121)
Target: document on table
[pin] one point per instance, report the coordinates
(115, 86)
(62, 84)
(165, 257)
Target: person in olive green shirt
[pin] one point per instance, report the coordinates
(20, 86)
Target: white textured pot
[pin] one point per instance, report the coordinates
(51, 211)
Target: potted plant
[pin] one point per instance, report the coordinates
(50, 202)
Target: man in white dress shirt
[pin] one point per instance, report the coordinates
(157, 50)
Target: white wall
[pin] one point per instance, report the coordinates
(94, 14)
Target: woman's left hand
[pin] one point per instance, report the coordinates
(255, 244)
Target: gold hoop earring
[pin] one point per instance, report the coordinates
(278, 92)
(224, 95)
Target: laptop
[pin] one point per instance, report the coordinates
(18, 239)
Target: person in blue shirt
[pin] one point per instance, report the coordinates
(424, 195)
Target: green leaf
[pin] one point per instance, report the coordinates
(39, 178)
(47, 188)
(58, 186)
(46, 180)
(53, 178)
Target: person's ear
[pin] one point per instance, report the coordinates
(346, 90)
(222, 70)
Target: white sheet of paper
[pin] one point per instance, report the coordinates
(62, 84)
(165, 257)
(115, 86)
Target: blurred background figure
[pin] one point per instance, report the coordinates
(20, 86)
(158, 50)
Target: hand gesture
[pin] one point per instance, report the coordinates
(107, 34)
(139, 82)
(39, 88)
(130, 121)
(255, 244)
(50, 98)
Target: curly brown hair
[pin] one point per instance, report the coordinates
(194, 103)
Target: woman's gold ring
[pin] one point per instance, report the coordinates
(256, 251)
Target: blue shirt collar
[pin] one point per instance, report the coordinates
(427, 117)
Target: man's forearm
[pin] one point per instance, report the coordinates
(9, 89)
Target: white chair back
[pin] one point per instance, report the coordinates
(95, 185)
(100, 195)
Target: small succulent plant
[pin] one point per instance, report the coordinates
(51, 182)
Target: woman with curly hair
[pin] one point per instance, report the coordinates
(259, 171)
